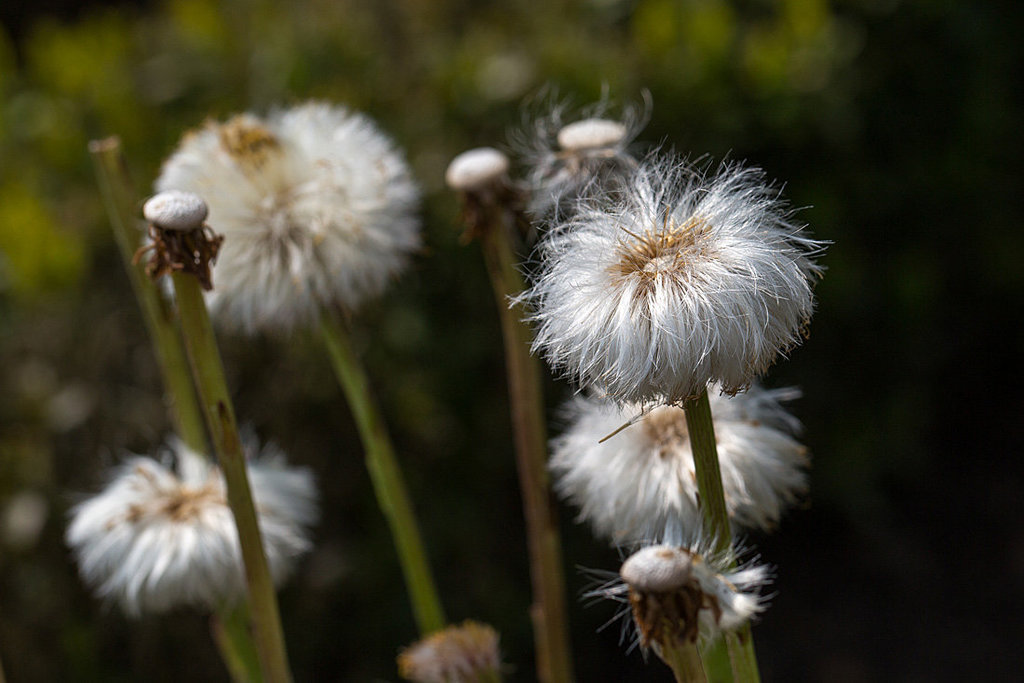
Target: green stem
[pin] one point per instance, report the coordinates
(120, 199)
(386, 475)
(119, 196)
(526, 402)
(701, 429)
(230, 629)
(208, 373)
(684, 660)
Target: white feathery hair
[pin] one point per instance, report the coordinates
(558, 176)
(161, 534)
(317, 206)
(681, 279)
(640, 484)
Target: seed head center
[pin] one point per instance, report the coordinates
(666, 249)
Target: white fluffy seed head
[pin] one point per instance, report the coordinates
(657, 569)
(591, 134)
(466, 653)
(175, 210)
(640, 485)
(570, 154)
(675, 281)
(317, 207)
(161, 535)
(476, 168)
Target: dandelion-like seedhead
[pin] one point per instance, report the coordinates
(677, 593)
(161, 535)
(640, 484)
(466, 653)
(316, 204)
(680, 280)
(572, 154)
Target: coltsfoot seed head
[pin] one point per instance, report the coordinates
(161, 534)
(657, 569)
(591, 134)
(467, 653)
(317, 207)
(476, 168)
(640, 484)
(674, 281)
(175, 210)
(568, 158)
(677, 594)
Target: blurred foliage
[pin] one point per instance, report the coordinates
(896, 123)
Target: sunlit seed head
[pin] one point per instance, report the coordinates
(476, 168)
(175, 210)
(674, 280)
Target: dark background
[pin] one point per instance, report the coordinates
(896, 123)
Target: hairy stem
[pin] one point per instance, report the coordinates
(122, 207)
(526, 402)
(208, 373)
(386, 475)
(701, 429)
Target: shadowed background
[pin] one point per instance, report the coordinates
(896, 123)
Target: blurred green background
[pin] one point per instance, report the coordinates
(896, 123)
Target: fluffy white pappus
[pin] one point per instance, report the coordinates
(572, 153)
(161, 534)
(680, 280)
(707, 596)
(640, 484)
(317, 206)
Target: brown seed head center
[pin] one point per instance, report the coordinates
(664, 250)
(249, 143)
(665, 426)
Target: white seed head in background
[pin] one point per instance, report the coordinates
(476, 168)
(677, 593)
(466, 653)
(175, 210)
(317, 207)
(162, 535)
(569, 156)
(677, 281)
(640, 485)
